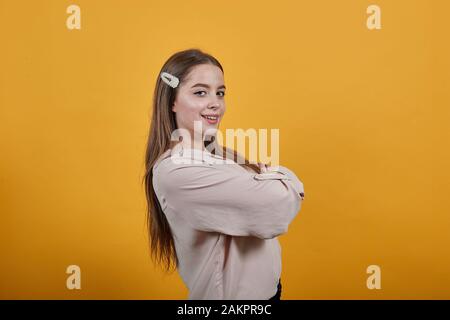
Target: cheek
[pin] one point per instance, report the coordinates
(193, 108)
(190, 111)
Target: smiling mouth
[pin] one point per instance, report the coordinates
(210, 117)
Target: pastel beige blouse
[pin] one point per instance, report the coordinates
(225, 220)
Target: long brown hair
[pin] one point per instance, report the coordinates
(162, 247)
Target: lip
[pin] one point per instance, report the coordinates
(209, 120)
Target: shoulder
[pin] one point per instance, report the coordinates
(169, 161)
(173, 170)
(165, 155)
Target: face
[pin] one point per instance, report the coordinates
(200, 98)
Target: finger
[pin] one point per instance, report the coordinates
(262, 167)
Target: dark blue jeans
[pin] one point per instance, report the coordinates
(277, 295)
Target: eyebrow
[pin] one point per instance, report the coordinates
(206, 86)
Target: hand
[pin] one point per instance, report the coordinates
(262, 167)
(266, 168)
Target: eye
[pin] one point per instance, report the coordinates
(198, 92)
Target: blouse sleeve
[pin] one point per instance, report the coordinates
(296, 183)
(223, 199)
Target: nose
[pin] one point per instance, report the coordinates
(214, 105)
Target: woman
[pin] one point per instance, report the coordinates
(215, 219)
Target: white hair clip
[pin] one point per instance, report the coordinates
(171, 80)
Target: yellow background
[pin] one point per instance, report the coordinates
(363, 118)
